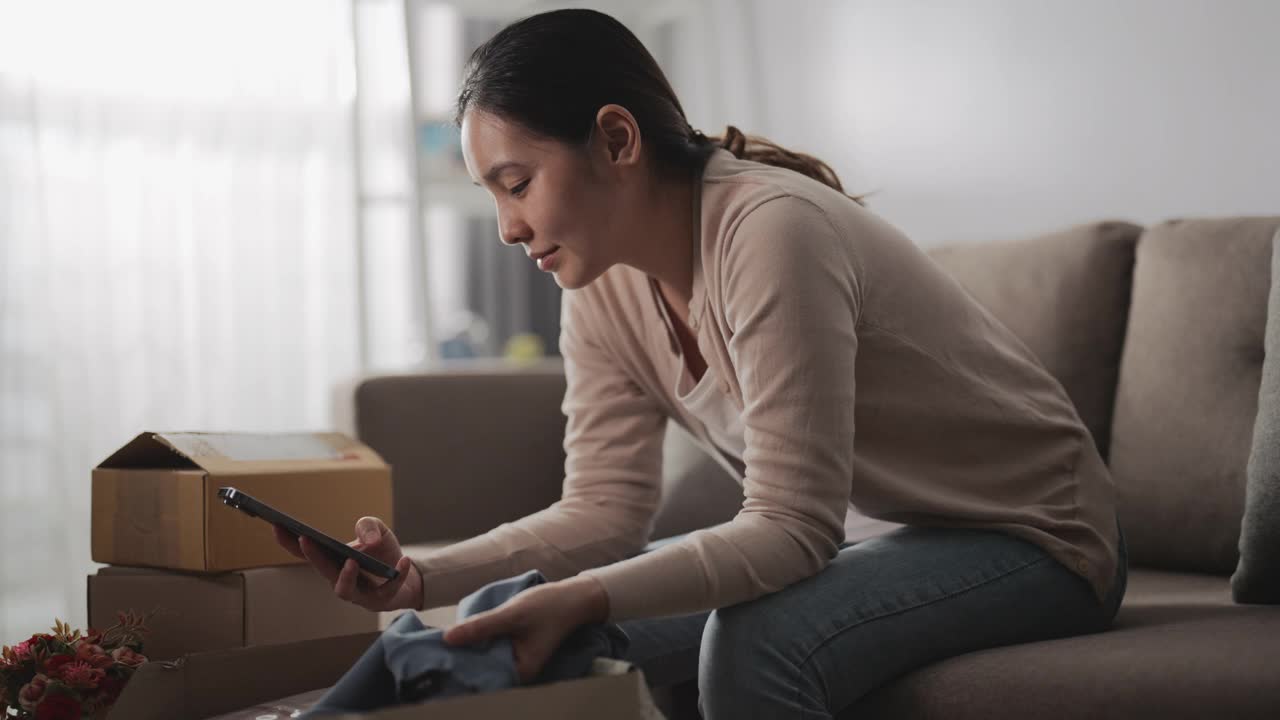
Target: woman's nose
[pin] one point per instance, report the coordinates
(511, 231)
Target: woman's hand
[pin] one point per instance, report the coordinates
(536, 621)
(358, 586)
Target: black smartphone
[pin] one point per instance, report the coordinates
(338, 551)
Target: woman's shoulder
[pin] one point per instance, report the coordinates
(735, 190)
(764, 224)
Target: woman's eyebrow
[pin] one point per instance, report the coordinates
(496, 170)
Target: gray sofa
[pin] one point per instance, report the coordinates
(1156, 334)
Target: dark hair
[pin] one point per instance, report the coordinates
(552, 72)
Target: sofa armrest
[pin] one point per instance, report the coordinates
(470, 447)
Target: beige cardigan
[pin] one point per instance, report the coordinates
(863, 371)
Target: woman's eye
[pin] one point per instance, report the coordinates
(518, 189)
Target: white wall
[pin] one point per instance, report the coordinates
(1001, 118)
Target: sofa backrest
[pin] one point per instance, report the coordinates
(469, 448)
(1188, 391)
(1180, 350)
(1066, 296)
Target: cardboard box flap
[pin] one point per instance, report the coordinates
(244, 453)
(207, 684)
(147, 452)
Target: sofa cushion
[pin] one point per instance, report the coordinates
(1188, 391)
(1257, 577)
(1179, 649)
(1066, 296)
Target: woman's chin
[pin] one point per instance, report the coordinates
(568, 277)
(566, 281)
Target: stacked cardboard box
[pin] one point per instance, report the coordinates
(257, 633)
(215, 576)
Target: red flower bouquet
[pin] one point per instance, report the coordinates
(69, 675)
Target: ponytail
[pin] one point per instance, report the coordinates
(761, 150)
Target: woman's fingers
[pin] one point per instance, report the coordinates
(351, 583)
(346, 585)
(378, 538)
(370, 530)
(463, 633)
(287, 540)
(481, 627)
(318, 559)
(528, 643)
(526, 667)
(387, 590)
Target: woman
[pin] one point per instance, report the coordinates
(731, 285)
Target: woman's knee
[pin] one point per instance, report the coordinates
(747, 659)
(728, 645)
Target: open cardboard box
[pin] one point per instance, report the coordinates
(239, 681)
(155, 500)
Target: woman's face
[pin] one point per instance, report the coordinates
(549, 196)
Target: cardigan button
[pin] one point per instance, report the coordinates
(1082, 565)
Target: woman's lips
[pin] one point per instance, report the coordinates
(547, 262)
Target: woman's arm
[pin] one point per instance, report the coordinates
(613, 480)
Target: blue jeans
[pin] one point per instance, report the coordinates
(883, 607)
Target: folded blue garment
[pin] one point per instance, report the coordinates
(410, 662)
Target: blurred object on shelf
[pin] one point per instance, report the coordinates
(465, 335)
(525, 347)
(440, 146)
(507, 289)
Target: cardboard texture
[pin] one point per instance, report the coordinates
(201, 612)
(442, 616)
(155, 500)
(202, 685)
(238, 683)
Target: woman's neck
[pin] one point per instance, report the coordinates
(663, 247)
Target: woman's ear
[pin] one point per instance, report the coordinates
(620, 132)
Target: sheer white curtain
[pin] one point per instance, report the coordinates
(176, 248)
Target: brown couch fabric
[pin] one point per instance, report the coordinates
(1188, 391)
(1257, 577)
(468, 450)
(1179, 649)
(1066, 296)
